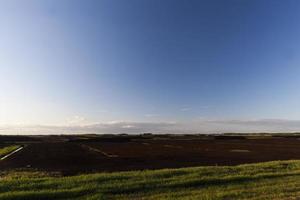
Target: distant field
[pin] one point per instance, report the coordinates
(77, 154)
(271, 180)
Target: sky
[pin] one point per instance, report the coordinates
(108, 66)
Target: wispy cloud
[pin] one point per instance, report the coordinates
(128, 126)
(102, 111)
(75, 120)
(151, 115)
(254, 125)
(100, 128)
(184, 109)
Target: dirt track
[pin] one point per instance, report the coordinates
(93, 155)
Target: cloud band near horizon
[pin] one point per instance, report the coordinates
(201, 126)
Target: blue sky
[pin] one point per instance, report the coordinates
(95, 61)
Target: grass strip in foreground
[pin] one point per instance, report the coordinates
(270, 180)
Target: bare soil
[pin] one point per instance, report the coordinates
(86, 154)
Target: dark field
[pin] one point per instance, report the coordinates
(90, 153)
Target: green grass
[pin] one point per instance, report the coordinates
(271, 180)
(6, 150)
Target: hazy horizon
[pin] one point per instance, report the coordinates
(149, 66)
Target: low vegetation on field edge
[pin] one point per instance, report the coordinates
(8, 149)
